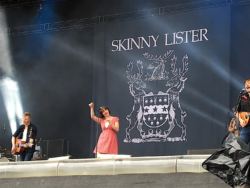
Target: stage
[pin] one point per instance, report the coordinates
(123, 171)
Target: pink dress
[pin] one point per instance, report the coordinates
(107, 142)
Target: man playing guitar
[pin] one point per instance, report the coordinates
(243, 112)
(23, 140)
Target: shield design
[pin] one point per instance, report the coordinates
(155, 110)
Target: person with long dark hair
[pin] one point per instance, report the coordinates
(107, 142)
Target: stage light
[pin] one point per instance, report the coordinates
(213, 62)
(5, 57)
(12, 102)
(9, 87)
(207, 100)
(203, 115)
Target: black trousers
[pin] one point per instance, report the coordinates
(27, 154)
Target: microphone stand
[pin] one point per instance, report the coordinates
(96, 135)
(96, 139)
(236, 114)
(4, 128)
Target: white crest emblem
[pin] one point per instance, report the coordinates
(155, 84)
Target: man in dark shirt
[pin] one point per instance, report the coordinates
(26, 133)
(244, 106)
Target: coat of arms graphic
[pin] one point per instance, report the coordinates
(155, 84)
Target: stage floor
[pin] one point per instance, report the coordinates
(105, 166)
(116, 172)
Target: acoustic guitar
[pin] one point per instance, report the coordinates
(20, 146)
(244, 118)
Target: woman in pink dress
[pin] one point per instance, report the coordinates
(107, 142)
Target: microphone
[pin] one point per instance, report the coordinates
(243, 92)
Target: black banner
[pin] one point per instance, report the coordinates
(164, 76)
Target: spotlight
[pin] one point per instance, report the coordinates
(12, 102)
